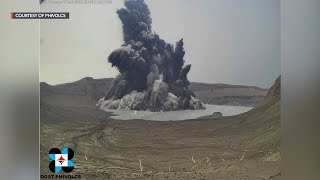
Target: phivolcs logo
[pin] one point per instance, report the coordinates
(61, 160)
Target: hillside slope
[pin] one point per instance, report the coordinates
(242, 147)
(85, 92)
(224, 94)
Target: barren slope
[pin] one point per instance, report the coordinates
(240, 147)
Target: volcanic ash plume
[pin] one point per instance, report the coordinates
(152, 72)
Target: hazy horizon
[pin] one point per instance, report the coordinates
(226, 42)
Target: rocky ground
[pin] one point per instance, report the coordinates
(246, 146)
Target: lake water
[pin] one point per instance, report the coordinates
(178, 115)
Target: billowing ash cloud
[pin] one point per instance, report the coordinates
(152, 72)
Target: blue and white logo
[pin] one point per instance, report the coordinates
(61, 160)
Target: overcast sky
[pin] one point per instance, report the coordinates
(226, 41)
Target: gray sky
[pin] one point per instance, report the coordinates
(233, 42)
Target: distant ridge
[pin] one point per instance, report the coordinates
(88, 91)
